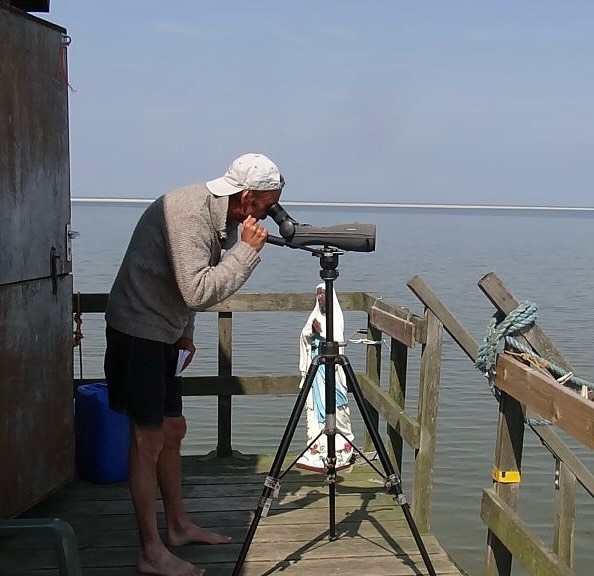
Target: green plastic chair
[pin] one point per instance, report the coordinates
(68, 558)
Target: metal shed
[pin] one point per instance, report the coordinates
(36, 407)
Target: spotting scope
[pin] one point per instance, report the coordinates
(348, 237)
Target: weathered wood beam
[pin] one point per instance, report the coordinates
(395, 321)
(241, 302)
(395, 416)
(542, 394)
(370, 301)
(231, 385)
(428, 401)
(507, 466)
(397, 392)
(395, 327)
(564, 514)
(278, 301)
(424, 293)
(517, 537)
(240, 385)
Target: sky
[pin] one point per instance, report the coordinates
(458, 101)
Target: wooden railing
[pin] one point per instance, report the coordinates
(526, 391)
(385, 399)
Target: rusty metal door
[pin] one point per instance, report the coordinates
(36, 406)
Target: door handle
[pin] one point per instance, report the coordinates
(54, 257)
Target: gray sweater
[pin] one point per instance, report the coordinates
(176, 263)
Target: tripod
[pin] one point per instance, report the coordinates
(330, 357)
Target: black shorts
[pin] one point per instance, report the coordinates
(141, 378)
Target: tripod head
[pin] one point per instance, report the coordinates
(329, 273)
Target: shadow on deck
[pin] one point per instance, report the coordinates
(374, 538)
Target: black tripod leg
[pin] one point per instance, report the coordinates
(329, 351)
(331, 479)
(393, 481)
(273, 475)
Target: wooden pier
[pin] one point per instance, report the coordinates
(373, 536)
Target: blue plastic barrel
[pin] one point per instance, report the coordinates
(102, 436)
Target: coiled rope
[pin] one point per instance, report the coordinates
(504, 328)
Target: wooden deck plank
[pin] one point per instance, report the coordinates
(288, 502)
(374, 538)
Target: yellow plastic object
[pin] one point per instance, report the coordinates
(506, 476)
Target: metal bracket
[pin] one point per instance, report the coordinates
(266, 501)
(68, 243)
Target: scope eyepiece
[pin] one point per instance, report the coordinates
(286, 224)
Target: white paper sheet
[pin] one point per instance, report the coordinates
(181, 358)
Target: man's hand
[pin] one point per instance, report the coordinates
(253, 233)
(315, 326)
(185, 343)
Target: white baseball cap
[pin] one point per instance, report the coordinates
(248, 172)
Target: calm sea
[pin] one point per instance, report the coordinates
(542, 257)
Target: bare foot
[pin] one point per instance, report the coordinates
(166, 564)
(190, 533)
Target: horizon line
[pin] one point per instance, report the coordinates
(398, 205)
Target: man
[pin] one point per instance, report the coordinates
(177, 262)
(313, 333)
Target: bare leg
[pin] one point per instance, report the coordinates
(145, 446)
(180, 527)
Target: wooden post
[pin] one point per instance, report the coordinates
(225, 369)
(564, 513)
(565, 508)
(428, 401)
(397, 391)
(506, 477)
(373, 363)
